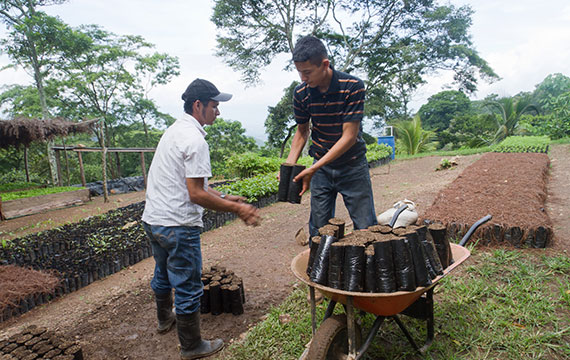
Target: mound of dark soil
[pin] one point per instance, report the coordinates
(509, 186)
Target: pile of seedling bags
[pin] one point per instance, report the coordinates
(380, 259)
(223, 292)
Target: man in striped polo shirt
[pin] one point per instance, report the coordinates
(333, 103)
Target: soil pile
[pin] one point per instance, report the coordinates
(511, 187)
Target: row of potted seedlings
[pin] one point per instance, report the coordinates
(83, 252)
(91, 249)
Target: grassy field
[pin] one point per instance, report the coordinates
(501, 304)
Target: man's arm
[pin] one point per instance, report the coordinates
(211, 200)
(298, 142)
(226, 196)
(349, 135)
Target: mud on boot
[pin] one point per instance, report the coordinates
(191, 344)
(166, 318)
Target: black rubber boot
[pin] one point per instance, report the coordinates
(191, 344)
(166, 318)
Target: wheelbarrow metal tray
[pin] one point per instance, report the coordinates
(385, 304)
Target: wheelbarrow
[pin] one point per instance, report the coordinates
(339, 336)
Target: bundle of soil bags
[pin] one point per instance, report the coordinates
(379, 259)
(289, 190)
(223, 292)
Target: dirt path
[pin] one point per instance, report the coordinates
(114, 318)
(558, 198)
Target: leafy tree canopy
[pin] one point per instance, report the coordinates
(551, 87)
(280, 122)
(391, 44)
(225, 138)
(442, 107)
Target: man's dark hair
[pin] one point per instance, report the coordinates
(310, 48)
(188, 105)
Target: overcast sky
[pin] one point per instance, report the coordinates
(523, 41)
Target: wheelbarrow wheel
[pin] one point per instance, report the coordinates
(331, 339)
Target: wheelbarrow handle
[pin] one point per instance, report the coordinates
(396, 214)
(472, 229)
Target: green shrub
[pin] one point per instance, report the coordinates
(250, 164)
(375, 152)
(253, 188)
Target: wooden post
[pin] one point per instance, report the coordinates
(104, 165)
(1, 215)
(66, 160)
(58, 163)
(81, 170)
(143, 167)
(26, 165)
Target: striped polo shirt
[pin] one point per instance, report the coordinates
(342, 102)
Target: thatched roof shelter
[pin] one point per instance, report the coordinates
(23, 131)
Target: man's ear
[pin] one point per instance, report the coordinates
(326, 63)
(196, 106)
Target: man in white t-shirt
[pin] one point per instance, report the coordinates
(176, 195)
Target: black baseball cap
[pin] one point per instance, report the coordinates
(201, 89)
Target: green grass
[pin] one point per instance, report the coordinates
(14, 195)
(506, 304)
(20, 185)
(565, 140)
(463, 152)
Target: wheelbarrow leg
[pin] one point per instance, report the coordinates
(313, 309)
(371, 335)
(406, 332)
(422, 309)
(330, 309)
(351, 328)
(429, 320)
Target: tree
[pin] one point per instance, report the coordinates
(412, 137)
(392, 44)
(556, 124)
(32, 42)
(472, 130)
(442, 107)
(225, 138)
(510, 111)
(280, 122)
(551, 87)
(110, 73)
(151, 70)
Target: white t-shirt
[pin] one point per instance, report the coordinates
(182, 153)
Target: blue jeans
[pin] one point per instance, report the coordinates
(178, 258)
(352, 181)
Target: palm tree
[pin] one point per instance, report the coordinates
(510, 113)
(412, 136)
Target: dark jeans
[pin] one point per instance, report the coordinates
(352, 181)
(178, 258)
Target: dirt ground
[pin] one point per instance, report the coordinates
(114, 318)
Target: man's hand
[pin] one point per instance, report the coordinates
(236, 198)
(305, 176)
(249, 214)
